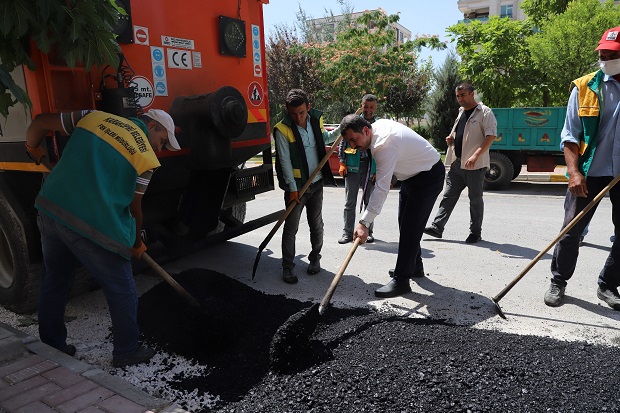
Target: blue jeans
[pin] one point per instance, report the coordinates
(457, 180)
(63, 250)
(312, 200)
(415, 204)
(352, 184)
(564, 260)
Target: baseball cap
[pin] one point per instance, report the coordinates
(166, 121)
(610, 40)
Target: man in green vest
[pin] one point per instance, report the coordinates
(358, 170)
(90, 213)
(300, 145)
(591, 145)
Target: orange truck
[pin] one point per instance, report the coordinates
(203, 62)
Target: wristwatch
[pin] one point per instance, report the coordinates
(364, 223)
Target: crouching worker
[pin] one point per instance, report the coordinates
(90, 213)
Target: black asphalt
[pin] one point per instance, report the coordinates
(365, 361)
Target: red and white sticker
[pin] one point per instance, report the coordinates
(141, 35)
(255, 93)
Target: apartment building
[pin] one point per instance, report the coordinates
(483, 9)
(328, 25)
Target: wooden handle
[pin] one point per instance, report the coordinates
(168, 278)
(567, 228)
(337, 277)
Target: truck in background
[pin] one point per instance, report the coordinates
(525, 136)
(204, 63)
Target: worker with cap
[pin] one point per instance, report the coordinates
(591, 145)
(90, 214)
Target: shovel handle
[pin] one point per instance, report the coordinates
(168, 278)
(337, 277)
(567, 228)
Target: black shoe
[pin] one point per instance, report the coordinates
(393, 289)
(432, 231)
(314, 267)
(472, 239)
(416, 274)
(69, 350)
(345, 239)
(142, 355)
(370, 239)
(610, 296)
(288, 276)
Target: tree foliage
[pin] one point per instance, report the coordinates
(532, 62)
(495, 58)
(565, 49)
(539, 11)
(443, 106)
(80, 30)
(288, 68)
(366, 58)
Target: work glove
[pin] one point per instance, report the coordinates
(343, 171)
(36, 154)
(137, 252)
(374, 178)
(293, 196)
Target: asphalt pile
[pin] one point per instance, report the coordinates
(367, 361)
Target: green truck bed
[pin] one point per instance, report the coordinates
(525, 136)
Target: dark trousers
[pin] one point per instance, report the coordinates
(416, 199)
(312, 200)
(566, 251)
(457, 180)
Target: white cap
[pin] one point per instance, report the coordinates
(166, 121)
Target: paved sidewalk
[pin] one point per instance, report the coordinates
(36, 378)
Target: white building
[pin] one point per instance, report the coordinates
(330, 24)
(483, 9)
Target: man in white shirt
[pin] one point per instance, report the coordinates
(399, 151)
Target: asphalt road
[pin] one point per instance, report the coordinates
(461, 278)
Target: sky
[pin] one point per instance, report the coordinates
(421, 17)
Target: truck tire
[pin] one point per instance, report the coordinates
(500, 173)
(19, 278)
(516, 169)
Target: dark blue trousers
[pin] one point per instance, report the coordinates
(416, 200)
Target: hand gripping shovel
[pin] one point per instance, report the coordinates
(567, 228)
(292, 204)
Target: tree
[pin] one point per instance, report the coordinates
(443, 107)
(366, 58)
(496, 59)
(288, 68)
(564, 50)
(539, 11)
(82, 32)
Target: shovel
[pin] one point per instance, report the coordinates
(567, 228)
(171, 281)
(293, 337)
(292, 204)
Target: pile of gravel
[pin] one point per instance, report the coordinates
(365, 361)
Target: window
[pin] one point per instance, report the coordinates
(506, 11)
